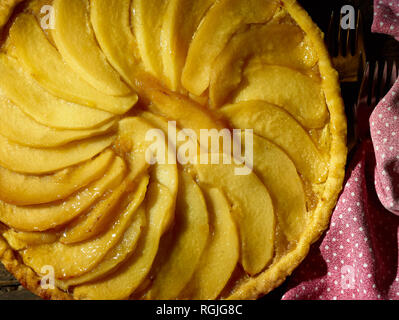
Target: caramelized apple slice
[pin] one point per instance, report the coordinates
(133, 136)
(23, 190)
(278, 173)
(187, 113)
(21, 129)
(276, 125)
(115, 256)
(177, 263)
(225, 18)
(52, 215)
(297, 93)
(132, 140)
(41, 161)
(21, 240)
(114, 35)
(37, 103)
(181, 20)
(221, 254)
(27, 37)
(252, 210)
(74, 260)
(147, 23)
(128, 277)
(273, 44)
(100, 217)
(77, 44)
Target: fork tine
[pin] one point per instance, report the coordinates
(374, 86)
(394, 74)
(384, 81)
(365, 82)
(359, 42)
(331, 34)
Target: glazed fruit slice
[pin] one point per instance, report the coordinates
(76, 42)
(115, 256)
(252, 210)
(132, 137)
(23, 240)
(114, 35)
(125, 280)
(225, 18)
(176, 265)
(280, 86)
(181, 20)
(45, 108)
(186, 112)
(27, 37)
(276, 125)
(74, 260)
(221, 254)
(147, 24)
(41, 161)
(273, 44)
(279, 175)
(52, 215)
(20, 189)
(97, 220)
(36, 135)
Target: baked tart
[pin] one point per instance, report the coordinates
(83, 191)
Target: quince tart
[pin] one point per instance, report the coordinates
(83, 83)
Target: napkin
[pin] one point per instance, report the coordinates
(357, 258)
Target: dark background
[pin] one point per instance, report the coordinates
(378, 47)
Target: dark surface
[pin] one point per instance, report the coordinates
(378, 47)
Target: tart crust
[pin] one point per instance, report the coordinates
(251, 288)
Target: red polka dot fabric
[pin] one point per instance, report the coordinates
(357, 258)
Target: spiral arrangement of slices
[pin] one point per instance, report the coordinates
(76, 103)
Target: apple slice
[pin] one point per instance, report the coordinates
(52, 215)
(97, 220)
(45, 108)
(225, 18)
(256, 222)
(187, 113)
(177, 262)
(132, 141)
(147, 24)
(221, 254)
(74, 260)
(276, 125)
(280, 86)
(26, 37)
(22, 240)
(129, 276)
(273, 44)
(252, 210)
(122, 251)
(279, 174)
(21, 129)
(23, 190)
(181, 20)
(77, 44)
(41, 161)
(114, 35)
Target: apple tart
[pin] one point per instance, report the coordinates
(83, 83)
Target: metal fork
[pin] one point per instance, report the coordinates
(378, 79)
(347, 48)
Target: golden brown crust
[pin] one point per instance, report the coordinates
(26, 276)
(276, 273)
